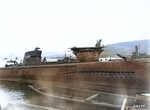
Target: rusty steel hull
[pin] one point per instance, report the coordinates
(121, 77)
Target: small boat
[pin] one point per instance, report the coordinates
(11, 63)
(72, 98)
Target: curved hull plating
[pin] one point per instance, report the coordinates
(123, 77)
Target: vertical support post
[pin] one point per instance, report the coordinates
(124, 102)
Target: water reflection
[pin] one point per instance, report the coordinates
(16, 96)
(14, 93)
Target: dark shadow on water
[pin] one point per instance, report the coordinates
(22, 93)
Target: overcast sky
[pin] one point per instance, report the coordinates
(55, 25)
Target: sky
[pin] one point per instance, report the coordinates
(55, 25)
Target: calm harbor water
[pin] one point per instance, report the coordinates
(16, 94)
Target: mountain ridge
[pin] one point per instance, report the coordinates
(127, 47)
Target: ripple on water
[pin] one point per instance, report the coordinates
(9, 96)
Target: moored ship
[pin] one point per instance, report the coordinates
(124, 76)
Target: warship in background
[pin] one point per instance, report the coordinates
(140, 57)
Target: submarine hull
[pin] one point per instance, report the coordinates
(122, 77)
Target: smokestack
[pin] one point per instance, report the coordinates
(139, 49)
(136, 51)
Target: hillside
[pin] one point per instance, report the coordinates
(126, 48)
